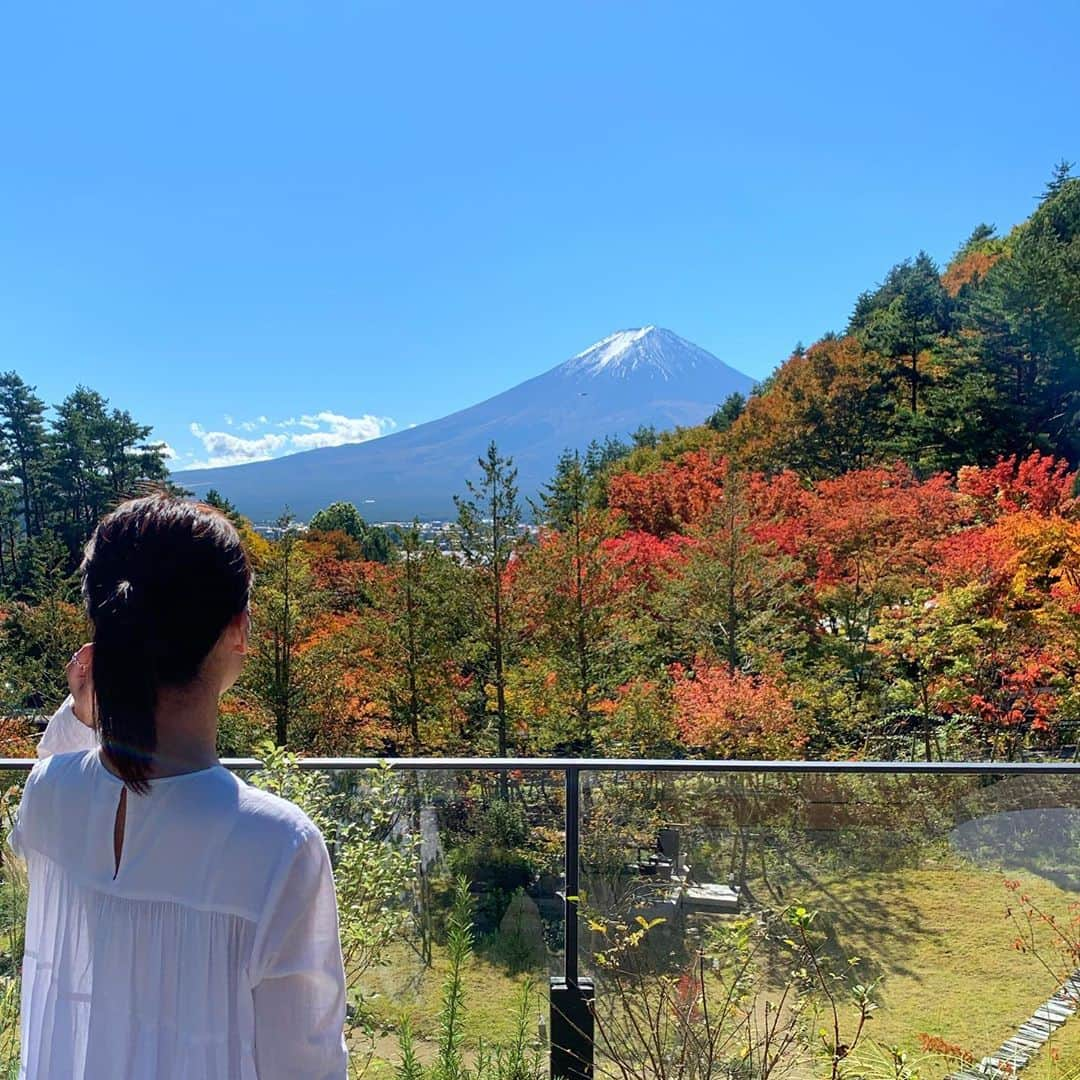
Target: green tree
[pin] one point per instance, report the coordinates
(735, 601)
(97, 458)
(645, 438)
(727, 413)
(339, 517)
(214, 498)
(280, 676)
(378, 545)
(1027, 317)
(424, 601)
(904, 317)
(343, 517)
(488, 532)
(22, 446)
(9, 534)
(1059, 177)
(929, 643)
(36, 640)
(980, 235)
(599, 456)
(602, 460)
(966, 419)
(568, 568)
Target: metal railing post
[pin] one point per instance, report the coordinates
(572, 1027)
(573, 870)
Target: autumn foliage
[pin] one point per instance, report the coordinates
(969, 269)
(669, 500)
(733, 714)
(946, 599)
(710, 610)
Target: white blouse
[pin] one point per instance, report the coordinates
(66, 733)
(210, 953)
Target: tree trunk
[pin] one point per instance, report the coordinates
(497, 554)
(410, 630)
(582, 640)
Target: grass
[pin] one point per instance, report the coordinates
(403, 986)
(936, 935)
(939, 940)
(1065, 1063)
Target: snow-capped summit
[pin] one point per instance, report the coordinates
(612, 350)
(648, 349)
(633, 378)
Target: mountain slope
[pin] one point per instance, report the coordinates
(634, 377)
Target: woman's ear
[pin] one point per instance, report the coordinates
(240, 632)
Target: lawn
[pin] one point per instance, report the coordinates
(938, 939)
(936, 936)
(1061, 1058)
(404, 987)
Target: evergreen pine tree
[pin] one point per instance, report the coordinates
(488, 530)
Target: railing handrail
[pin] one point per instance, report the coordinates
(712, 765)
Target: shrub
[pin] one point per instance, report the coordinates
(518, 1059)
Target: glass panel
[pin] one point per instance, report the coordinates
(726, 914)
(723, 915)
(410, 836)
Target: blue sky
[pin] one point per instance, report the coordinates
(354, 215)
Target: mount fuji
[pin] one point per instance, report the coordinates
(646, 376)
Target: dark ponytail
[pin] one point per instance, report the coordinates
(162, 578)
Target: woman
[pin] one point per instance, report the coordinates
(181, 925)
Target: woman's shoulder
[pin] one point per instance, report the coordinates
(38, 792)
(66, 733)
(60, 771)
(61, 790)
(262, 841)
(268, 826)
(271, 812)
(69, 762)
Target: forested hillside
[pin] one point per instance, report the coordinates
(877, 553)
(940, 369)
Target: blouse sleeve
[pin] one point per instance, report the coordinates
(18, 828)
(66, 733)
(298, 976)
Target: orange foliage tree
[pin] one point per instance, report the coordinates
(1039, 482)
(730, 714)
(827, 410)
(668, 499)
(970, 268)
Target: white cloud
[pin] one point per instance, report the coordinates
(169, 453)
(225, 449)
(325, 428)
(338, 429)
(229, 420)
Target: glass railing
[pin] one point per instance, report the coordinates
(693, 920)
